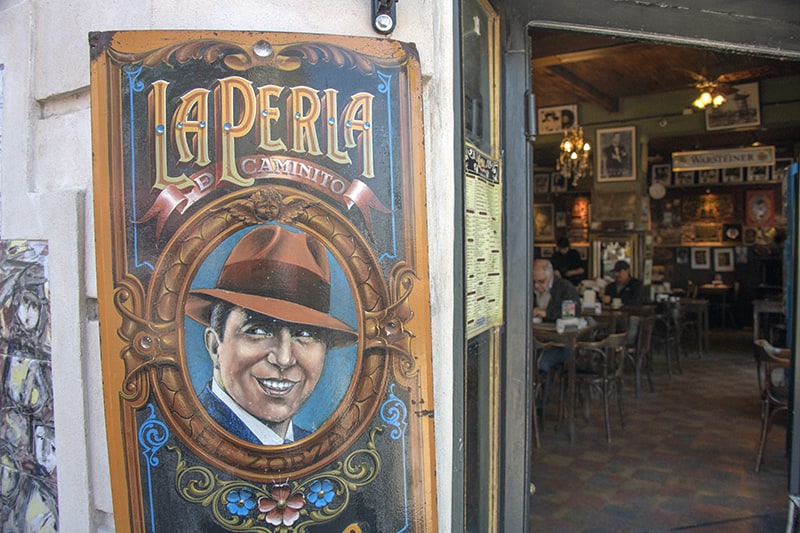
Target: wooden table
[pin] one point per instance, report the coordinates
(765, 307)
(717, 292)
(547, 332)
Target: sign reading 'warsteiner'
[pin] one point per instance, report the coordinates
(729, 158)
(262, 278)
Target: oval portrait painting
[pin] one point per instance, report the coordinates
(270, 334)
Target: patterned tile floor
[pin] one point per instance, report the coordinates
(684, 461)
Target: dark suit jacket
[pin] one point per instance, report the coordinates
(560, 291)
(226, 418)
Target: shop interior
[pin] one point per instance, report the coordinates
(712, 232)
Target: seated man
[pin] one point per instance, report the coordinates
(268, 332)
(625, 287)
(550, 292)
(629, 290)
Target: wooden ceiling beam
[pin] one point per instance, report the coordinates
(585, 55)
(585, 90)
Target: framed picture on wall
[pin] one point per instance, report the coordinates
(731, 232)
(760, 173)
(544, 226)
(541, 183)
(558, 183)
(616, 154)
(661, 174)
(708, 177)
(684, 177)
(557, 119)
(742, 109)
(723, 259)
(733, 175)
(701, 258)
(760, 208)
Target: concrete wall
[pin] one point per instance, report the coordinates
(46, 192)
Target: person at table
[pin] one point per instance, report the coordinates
(549, 293)
(629, 290)
(567, 262)
(625, 287)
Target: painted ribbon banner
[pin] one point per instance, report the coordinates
(263, 283)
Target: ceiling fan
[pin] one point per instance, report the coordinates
(715, 91)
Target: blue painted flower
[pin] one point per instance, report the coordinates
(240, 502)
(321, 492)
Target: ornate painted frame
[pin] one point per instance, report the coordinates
(171, 462)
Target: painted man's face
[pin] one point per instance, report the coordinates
(267, 366)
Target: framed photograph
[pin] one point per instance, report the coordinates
(547, 251)
(708, 177)
(749, 235)
(558, 183)
(701, 258)
(760, 208)
(682, 255)
(544, 227)
(756, 174)
(723, 259)
(683, 178)
(561, 219)
(661, 174)
(711, 233)
(557, 119)
(781, 169)
(742, 110)
(541, 183)
(733, 175)
(740, 254)
(616, 154)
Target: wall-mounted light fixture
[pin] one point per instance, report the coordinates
(384, 16)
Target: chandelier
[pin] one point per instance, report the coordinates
(709, 95)
(573, 161)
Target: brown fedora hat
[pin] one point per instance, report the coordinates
(278, 273)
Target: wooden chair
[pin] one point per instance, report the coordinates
(599, 366)
(539, 348)
(642, 355)
(667, 333)
(774, 393)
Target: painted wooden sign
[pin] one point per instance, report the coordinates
(263, 284)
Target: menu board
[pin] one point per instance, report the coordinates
(483, 194)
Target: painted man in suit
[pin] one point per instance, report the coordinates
(268, 332)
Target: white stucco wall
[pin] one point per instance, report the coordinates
(46, 192)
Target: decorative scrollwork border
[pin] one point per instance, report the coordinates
(155, 359)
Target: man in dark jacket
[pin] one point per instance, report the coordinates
(626, 287)
(549, 293)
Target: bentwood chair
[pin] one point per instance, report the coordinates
(599, 366)
(774, 393)
(642, 356)
(539, 380)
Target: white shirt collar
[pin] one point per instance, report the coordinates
(262, 431)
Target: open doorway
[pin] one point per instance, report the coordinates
(618, 83)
